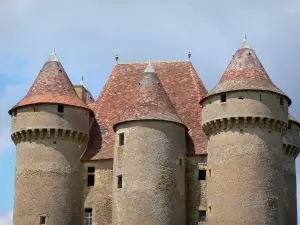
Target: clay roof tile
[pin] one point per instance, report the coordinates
(52, 85)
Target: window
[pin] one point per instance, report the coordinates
(42, 220)
(202, 216)
(281, 102)
(180, 162)
(88, 216)
(223, 98)
(202, 175)
(121, 139)
(260, 97)
(34, 108)
(289, 126)
(119, 181)
(91, 176)
(15, 113)
(60, 108)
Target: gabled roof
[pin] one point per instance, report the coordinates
(245, 72)
(52, 85)
(150, 101)
(182, 86)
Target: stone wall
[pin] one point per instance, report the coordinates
(99, 197)
(195, 188)
(152, 165)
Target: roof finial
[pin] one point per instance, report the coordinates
(117, 58)
(245, 43)
(53, 56)
(149, 68)
(189, 55)
(82, 78)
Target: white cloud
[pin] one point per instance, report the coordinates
(7, 219)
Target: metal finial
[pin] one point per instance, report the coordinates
(53, 51)
(149, 61)
(245, 37)
(82, 78)
(53, 56)
(149, 68)
(117, 58)
(189, 55)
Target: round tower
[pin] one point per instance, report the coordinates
(49, 128)
(244, 117)
(291, 146)
(149, 166)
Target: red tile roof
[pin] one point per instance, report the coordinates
(150, 101)
(245, 72)
(182, 85)
(52, 85)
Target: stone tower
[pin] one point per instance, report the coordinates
(291, 146)
(244, 118)
(49, 127)
(149, 166)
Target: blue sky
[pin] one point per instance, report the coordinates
(88, 34)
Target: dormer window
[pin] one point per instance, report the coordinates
(60, 108)
(223, 98)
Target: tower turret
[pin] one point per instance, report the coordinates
(149, 167)
(291, 146)
(49, 128)
(244, 117)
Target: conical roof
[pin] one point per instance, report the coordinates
(52, 85)
(151, 101)
(245, 72)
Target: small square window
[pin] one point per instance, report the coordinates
(202, 216)
(281, 102)
(121, 139)
(42, 220)
(119, 181)
(202, 175)
(60, 108)
(223, 98)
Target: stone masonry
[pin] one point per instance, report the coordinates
(156, 148)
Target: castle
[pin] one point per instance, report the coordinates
(156, 148)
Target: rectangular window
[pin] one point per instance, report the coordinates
(202, 175)
(42, 220)
(180, 162)
(289, 126)
(223, 98)
(15, 113)
(60, 108)
(202, 216)
(121, 139)
(88, 216)
(281, 102)
(91, 176)
(120, 181)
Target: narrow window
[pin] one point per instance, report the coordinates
(202, 216)
(119, 181)
(121, 139)
(281, 102)
(15, 113)
(34, 108)
(260, 97)
(88, 216)
(289, 125)
(209, 209)
(202, 175)
(180, 162)
(42, 220)
(209, 172)
(91, 176)
(60, 108)
(223, 98)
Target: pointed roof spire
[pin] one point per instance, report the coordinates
(245, 72)
(52, 86)
(245, 43)
(53, 56)
(151, 101)
(149, 68)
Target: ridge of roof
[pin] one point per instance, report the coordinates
(245, 72)
(159, 61)
(52, 86)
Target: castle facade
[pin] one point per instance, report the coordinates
(156, 148)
